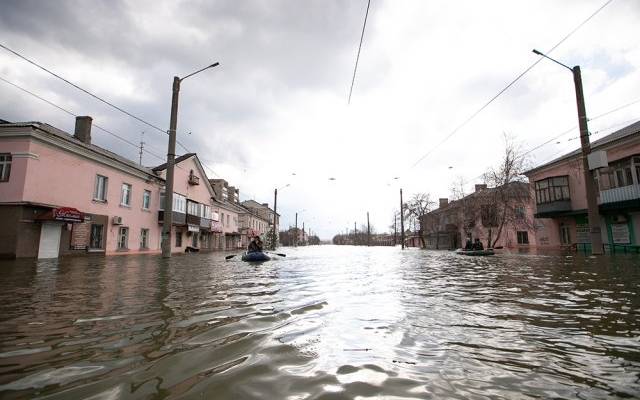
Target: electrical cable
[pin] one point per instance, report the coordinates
(355, 68)
(466, 121)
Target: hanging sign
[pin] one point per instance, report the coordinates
(65, 214)
(620, 233)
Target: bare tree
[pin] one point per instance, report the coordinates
(418, 205)
(504, 203)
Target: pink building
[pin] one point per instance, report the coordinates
(561, 201)
(62, 195)
(498, 217)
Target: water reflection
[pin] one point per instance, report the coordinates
(324, 322)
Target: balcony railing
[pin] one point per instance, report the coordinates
(193, 220)
(624, 193)
(178, 218)
(553, 207)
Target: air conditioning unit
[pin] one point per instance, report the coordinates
(116, 220)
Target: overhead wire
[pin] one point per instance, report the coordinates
(123, 139)
(355, 68)
(492, 99)
(110, 104)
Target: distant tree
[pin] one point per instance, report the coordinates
(503, 204)
(418, 205)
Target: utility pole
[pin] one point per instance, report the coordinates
(295, 240)
(171, 155)
(395, 229)
(275, 213)
(355, 234)
(590, 187)
(303, 233)
(368, 231)
(141, 146)
(401, 220)
(592, 203)
(167, 219)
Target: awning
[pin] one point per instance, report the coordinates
(63, 214)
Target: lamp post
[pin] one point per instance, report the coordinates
(592, 203)
(275, 216)
(171, 154)
(295, 240)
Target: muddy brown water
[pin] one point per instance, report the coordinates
(325, 322)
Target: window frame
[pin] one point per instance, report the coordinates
(144, 238)
(146, 198)
(97, 187)
(125, 245)
(91, 237)
(522, 237)
(129, 191)
(549, 191)
(5, 166)
(178, 239)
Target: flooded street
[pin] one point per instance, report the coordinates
(325, 322)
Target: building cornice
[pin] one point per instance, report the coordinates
(34, 131)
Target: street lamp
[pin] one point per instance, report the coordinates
(295, 240)
(168, 198)
(592, 204)
(275, 215)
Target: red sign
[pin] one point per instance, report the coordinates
(216, 226)
(67, 214)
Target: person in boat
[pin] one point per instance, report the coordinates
(469, 245)
(477, 245)
(255, 245)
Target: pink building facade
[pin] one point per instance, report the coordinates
(61, 195)
(561, 202)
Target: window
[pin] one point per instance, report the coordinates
(519, 212)
(194, 240)
(222, 219)
(95, 239)
(179, 203)
(161, 200)
(144, 238)
(125, 199)
(489, 215)
(523, 237)
(123, 238)
(5, 167)
(146, 199)
(178, 239)
(100, 191)
(552, 189)
(228, 224)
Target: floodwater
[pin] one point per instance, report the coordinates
(325, 322)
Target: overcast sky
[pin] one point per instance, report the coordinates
(277, 104)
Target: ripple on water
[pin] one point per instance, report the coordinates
(324, 323)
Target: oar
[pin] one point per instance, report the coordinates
(230, 257)
(278, 254)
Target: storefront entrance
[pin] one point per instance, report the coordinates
(49, 240)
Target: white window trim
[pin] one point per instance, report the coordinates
(144, 193)
(122, 190)
(96, 188)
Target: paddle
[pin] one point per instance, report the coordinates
(230, 257)
(278, 254)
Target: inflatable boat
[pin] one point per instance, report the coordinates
(255, 256)
(486, 252)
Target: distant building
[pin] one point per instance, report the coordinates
(561, 201)
(500, 217)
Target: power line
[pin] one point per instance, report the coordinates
(355, 68)
(75, 115)
(466, 121)
(155, 127)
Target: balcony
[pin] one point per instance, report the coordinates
(624, 194)
(205, 224)
(547, 210)
(178, 218)
(193, 180)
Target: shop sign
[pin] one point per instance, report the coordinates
(582, 233)
(193, 228)
(620, 233)
(67, 214)
(215, 216)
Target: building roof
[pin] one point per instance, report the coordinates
(67, 137)
(183, 157)
(620, 134)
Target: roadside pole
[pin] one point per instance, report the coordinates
(401, 220)
(368, 231)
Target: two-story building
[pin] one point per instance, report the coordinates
(499, 217)
(193, 205)
(561, 199)
(60, 195)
